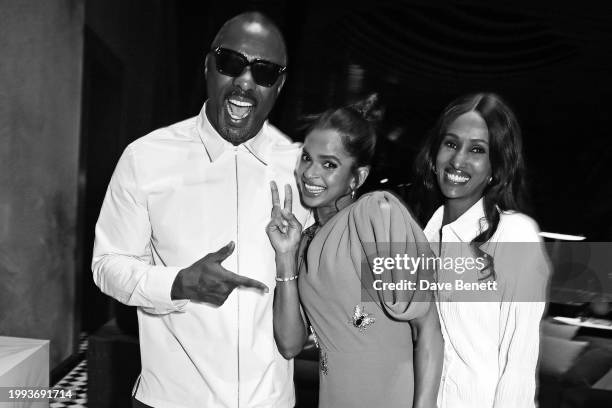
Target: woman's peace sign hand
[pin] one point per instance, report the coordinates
(284, 230)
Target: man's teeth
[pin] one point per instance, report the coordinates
(238, 109)
(311, 188)
(455, 178)
(240, 103)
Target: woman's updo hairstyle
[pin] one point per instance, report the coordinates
(356, 123)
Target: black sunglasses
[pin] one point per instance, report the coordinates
(233, 63)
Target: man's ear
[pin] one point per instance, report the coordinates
(283, 77)
(206, 66)
(361, 174)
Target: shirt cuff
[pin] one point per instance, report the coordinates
(158, 287)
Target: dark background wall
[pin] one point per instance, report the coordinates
(129, 88)
(550, 59)
(41, 49)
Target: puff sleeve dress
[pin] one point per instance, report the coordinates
(365, 340)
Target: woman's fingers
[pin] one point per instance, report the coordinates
(290, 219)
(277, 224)
(275, 196)
(278, 221)
(288, 197)
(282, 218)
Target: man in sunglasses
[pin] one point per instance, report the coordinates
(181, 234)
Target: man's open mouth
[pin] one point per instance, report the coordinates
(238, 108)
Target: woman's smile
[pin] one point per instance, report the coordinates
(312, 189)
(456, 176)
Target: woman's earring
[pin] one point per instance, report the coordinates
(490, 180)
(353, 194)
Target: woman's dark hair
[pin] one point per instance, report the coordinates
(356, 124)
(506, 191)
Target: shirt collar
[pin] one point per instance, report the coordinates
(215, 145)
(464, 226)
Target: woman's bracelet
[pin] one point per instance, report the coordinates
(294, 277)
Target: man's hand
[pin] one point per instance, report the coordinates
(208, 281)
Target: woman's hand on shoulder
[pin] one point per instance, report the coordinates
(284, 230)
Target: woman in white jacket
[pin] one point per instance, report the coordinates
(474, 162)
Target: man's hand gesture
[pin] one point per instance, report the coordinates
(207, 281)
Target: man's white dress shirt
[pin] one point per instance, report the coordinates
(491, 345)
(176, 195)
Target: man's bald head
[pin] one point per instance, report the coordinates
(237, 105)
(252, 23)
